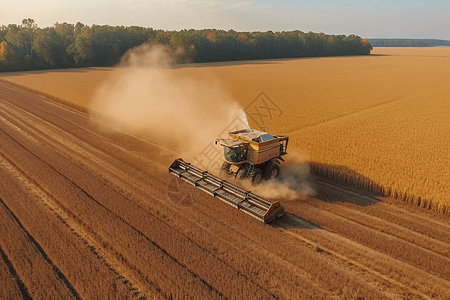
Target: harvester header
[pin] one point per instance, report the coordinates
(245, 201)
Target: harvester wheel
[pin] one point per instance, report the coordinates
(225, 168)
(272, 171)
(256, 176)
(242, 173)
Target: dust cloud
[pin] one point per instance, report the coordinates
(292, 183)
(147, 97)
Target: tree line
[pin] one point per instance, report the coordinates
(408, 42)
(28, 47)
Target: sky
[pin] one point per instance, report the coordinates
(367, 19)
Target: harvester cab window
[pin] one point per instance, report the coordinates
(233, 154)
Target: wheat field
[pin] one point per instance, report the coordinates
(384, 117)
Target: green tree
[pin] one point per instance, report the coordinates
(9, 59)
(68, 45)
(66, 39)
(50, 45)
(82, 47)
(29, 27)
(3, 32)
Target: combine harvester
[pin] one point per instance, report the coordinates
(249, 155)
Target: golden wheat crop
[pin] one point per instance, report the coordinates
(386, 117)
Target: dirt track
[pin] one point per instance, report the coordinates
(84, 214)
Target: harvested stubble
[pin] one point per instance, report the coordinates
(375, 250)
(10, 284)
(81, 267)
(38, 273)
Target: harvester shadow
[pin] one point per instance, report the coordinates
(335, 183)
(289, 220)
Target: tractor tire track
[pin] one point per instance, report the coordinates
(87, 208)
(239, 272)
(73, 153)
(46, 221)
(12, 286)
(120, 204)
(36, 268)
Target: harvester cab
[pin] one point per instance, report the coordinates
(253, 154)
(234, 151)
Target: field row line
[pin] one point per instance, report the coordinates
(377, 233)
(144, 196)
(368, 225)
(74, 152)
(376, 251)
(80, 222)
(41, 251)
(67, 218)
(79, 228)
(163, 251)
(17, 285)
(85, 164)
(79, 111)
(349, 260)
